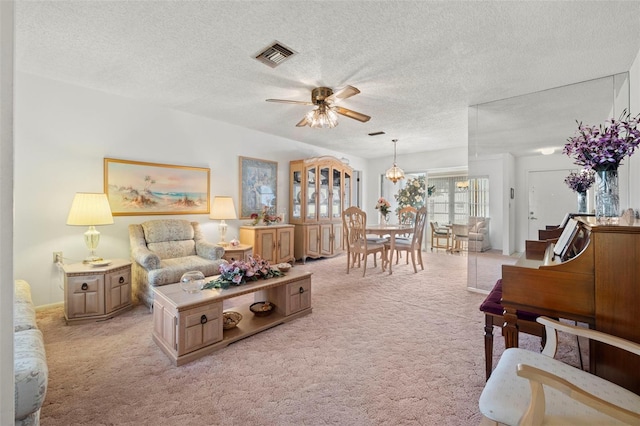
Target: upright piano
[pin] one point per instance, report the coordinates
(594, 278)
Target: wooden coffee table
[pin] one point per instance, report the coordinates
(187, 326)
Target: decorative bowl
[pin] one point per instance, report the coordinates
(262, 309)
(230, 319)
(192, 281)
(283, 267)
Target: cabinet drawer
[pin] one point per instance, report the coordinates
(200, 327)
(298, 296)
(85, 296)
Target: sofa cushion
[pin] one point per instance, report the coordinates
(167, 230)
(171, 270)
(173, 249)
(31, 374)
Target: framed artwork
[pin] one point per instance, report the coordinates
(258, 186)
(138, 188)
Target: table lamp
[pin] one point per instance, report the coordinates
(89, 209)
(223, 209)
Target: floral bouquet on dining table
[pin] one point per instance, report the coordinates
(384, 206)
(239, 272)
(581, 181)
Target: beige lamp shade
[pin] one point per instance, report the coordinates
(223, 208)
(90, 209)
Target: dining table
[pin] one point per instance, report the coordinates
(391, 231)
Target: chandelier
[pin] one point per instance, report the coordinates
(323, 117)
(395, 173)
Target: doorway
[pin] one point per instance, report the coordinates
(549, 199)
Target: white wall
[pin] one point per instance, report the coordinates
(6, 213)
(63, 132)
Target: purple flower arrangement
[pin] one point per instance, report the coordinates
(603, 147)
(239, 272)
(581, 181)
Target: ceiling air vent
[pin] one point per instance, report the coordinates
(275, 54)
(376, 133)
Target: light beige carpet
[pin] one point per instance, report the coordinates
(405, 349)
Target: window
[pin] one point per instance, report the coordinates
(450, 201)
(479, 197)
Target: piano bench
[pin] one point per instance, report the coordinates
(493, 316)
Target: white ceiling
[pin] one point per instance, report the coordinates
(418, 65)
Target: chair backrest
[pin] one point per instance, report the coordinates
(460, 231)
(407, 215)
(354, 221)
(418, 226)
(170, 238)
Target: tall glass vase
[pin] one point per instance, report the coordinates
(607, 197)
(582, 202)
(384, 219)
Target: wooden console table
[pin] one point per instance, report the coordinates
(187, 326)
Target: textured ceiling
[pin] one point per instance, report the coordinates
(418, 65)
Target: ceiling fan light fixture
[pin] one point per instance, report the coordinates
(395, 173)
(323, 117)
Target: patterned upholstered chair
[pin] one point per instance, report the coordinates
(163, 250)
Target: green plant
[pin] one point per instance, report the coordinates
(413, 193)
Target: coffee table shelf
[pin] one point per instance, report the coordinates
(187, 326)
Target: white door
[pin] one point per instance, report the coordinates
(549, 199)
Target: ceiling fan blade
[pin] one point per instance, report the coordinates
(302, 122)
(352, 114)
(284, 101)
(343, 93)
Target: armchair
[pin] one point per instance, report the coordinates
(163, 250)
(479, 234)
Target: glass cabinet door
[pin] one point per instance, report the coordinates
(347, 190)
(336, 194)
(323, 195)
(296, 212)
(312, 196)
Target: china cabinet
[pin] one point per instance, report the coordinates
(320, 189)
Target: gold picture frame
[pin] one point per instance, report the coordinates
(140, 188)
(258, 186)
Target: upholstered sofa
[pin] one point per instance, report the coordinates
(162, 250)
(479, 234)
(29, 359)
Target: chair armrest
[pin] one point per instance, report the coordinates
(209, 250)
(145, 257)
(552, 327)
(536, 410)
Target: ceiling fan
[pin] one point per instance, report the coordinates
(325, 115)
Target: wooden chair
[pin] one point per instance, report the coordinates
(555, 392)
(406, 216)
(439, 233)
(414, 246)
(357, 244)
(493, 317)
(460, 237)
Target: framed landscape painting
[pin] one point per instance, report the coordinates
(258, 186)
(139, 188)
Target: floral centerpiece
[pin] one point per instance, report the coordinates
(264, 217)
(239, 272)
(602, 148)
(384, 206)
(581, 181)
(413, 193)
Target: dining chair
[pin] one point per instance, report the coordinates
(406, 216)
(460, 237)
(439, 233)
(357, 244)
(413, 246)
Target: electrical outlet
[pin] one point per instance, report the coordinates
(57, 257)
